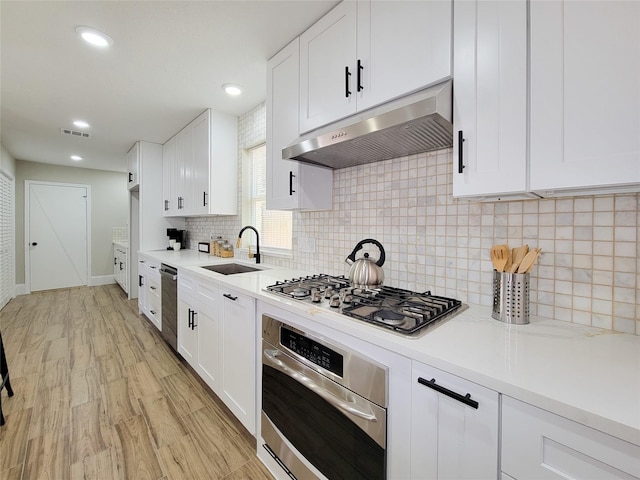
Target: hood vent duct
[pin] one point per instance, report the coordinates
(415, 124)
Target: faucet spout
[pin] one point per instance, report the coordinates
(257, 254)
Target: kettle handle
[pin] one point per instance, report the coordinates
(352, 256)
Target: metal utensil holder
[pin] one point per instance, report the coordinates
(511, 297)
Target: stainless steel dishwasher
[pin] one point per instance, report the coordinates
(169, 287)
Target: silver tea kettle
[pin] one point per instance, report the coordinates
(365, 272)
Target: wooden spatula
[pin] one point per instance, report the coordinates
(518, 255)
(528, 261)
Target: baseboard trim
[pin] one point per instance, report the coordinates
(21, 289)
(101, 280)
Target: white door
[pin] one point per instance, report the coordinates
(57, 236)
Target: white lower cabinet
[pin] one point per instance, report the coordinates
(149, 291)
(540, 445)
(120, 266)
(187, 329)
(454, 427)
(217, 337)
(238, 355)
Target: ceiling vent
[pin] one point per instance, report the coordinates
(75, 133)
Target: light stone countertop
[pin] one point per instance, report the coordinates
(586, 374)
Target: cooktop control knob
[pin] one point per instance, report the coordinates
(335, 301)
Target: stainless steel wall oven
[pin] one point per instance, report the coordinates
(321, 406)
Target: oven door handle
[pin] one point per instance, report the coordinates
(300, 377)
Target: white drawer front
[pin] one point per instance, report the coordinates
(538, 445)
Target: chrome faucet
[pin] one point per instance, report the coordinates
(257, 254)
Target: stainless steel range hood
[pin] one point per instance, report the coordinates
(414, 124)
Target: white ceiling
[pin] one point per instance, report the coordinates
(167, 64)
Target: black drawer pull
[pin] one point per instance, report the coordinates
(466, 399)
(141, 281)
(347, 74)
(291, 177)
(230, 297)
(460, 154)
(359, 76)
(130, 177)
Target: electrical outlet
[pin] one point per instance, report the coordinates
(306, 244)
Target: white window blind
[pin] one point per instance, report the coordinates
(7, 208)
(275, 226)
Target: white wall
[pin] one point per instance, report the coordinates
(109, 202)
(7, 162)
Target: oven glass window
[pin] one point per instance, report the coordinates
(321, 433)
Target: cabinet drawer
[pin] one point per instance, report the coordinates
(187, 285)
(537, 444)
(154, 289)
(207, 294)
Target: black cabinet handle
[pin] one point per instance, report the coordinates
(152, 288)
(204, 199)
(166, 205)
(460, 155)
(359, 76)
(140, 280)
(291, 177)
(190, 318)
(180, 203)
(230, 297)
(115, 261)
(153, 312)
(193, 320)
(34, 244)
(347, 92)
(130, 177)
(466, 399)
(120, 265)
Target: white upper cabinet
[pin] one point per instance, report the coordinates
(364, 53)
(201, 167)
(290, 185)
(327, 70)
(585, 95)
(490, 98)
(133, 164)
(402, 47)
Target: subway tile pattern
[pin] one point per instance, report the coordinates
(588, 273)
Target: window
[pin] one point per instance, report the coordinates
(274, 225)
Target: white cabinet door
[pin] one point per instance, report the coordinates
(539, 445)
(450, 438)
(238, 356)
(490, 98)
(585, 99)
(142, 285)
(187, 330)
(402, 47)
(184, 170)
(328, 68)
(170, 177)
(200, 166)
(290, 185)
(208, 334)
(133, 163)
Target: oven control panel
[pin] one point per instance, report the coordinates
(313, 351)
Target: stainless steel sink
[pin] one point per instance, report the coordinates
(231, 268)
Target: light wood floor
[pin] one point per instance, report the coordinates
(99, 395)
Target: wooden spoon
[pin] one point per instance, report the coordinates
(527, 262)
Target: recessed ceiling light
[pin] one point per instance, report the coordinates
(232, 89)
(81, 124)
(94, 37)
(76, 158)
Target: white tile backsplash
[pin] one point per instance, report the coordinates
(588, 273)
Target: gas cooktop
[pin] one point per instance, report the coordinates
(396, 309)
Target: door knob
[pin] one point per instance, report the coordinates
(34, 244)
